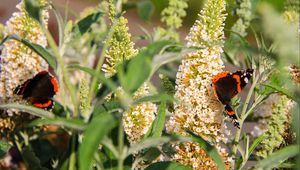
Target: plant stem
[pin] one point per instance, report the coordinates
(120, 146)
(94, 82)
(243, 118)
(72, 163)
(65, 74)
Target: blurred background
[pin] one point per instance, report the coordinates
(74, 7)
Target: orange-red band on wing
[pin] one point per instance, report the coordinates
(43, 105)
(55, 84)
(238, 80)
(220, 75)
(230, 113)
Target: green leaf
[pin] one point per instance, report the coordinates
(167, 165)
(31, 159)
(280, 90)
(109, 107)
(28, 109)
(134, 74)
(4, 147)
(277, 157)
(138, 71)
(145, 9)
(210, 150)
(41, 51)
(153, 142)
(60, 25)
(75, 124)
(33, 9)
(155, 98)
(93, 135)
(158, 124)
(84, 24)
(150, 155)
(106, 81)
(162, 59)
(255, 143)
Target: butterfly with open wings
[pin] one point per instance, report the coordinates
(226, 85)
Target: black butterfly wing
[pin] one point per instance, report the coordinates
(39, 86)
(226, 89)
(244, 76)
(39, 90)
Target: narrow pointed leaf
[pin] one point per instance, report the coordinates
(28, 109)
(93, 135)
(75, 124)
(41, 51)
(167, 165)
(273, 160)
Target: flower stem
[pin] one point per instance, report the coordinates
(243, 118)
(120, 146)
(94, 82)
(65, 75)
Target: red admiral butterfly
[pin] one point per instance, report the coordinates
(226, 85)
(39, 90)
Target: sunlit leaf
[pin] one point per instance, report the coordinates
(134, 73)
(273, 160)
(167, 165)
(93, 135)
(255, 143)
(280, 90)
(106, 81)
(155, 98)
(159, 122)
(41, 51)
(28, 109)
(60, 25)
(75, 124)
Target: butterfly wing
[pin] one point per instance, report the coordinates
(225, 88)
(243, 77)
(39, 90)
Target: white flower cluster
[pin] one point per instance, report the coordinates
(198, 109)
(208, 29)
(138, 119)
(17, 62)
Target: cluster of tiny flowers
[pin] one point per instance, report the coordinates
(6, 125)
(193, 155)
(295, 73)
(198, 109)
(138, 119)
(245, 16)
(208, 29)
(274, 123)
(121, 47)
(18, 63)
(172, 16)
(174, 12)
(291, 12)
(84, 93)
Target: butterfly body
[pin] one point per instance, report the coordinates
(39, 90)
(226, 85)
